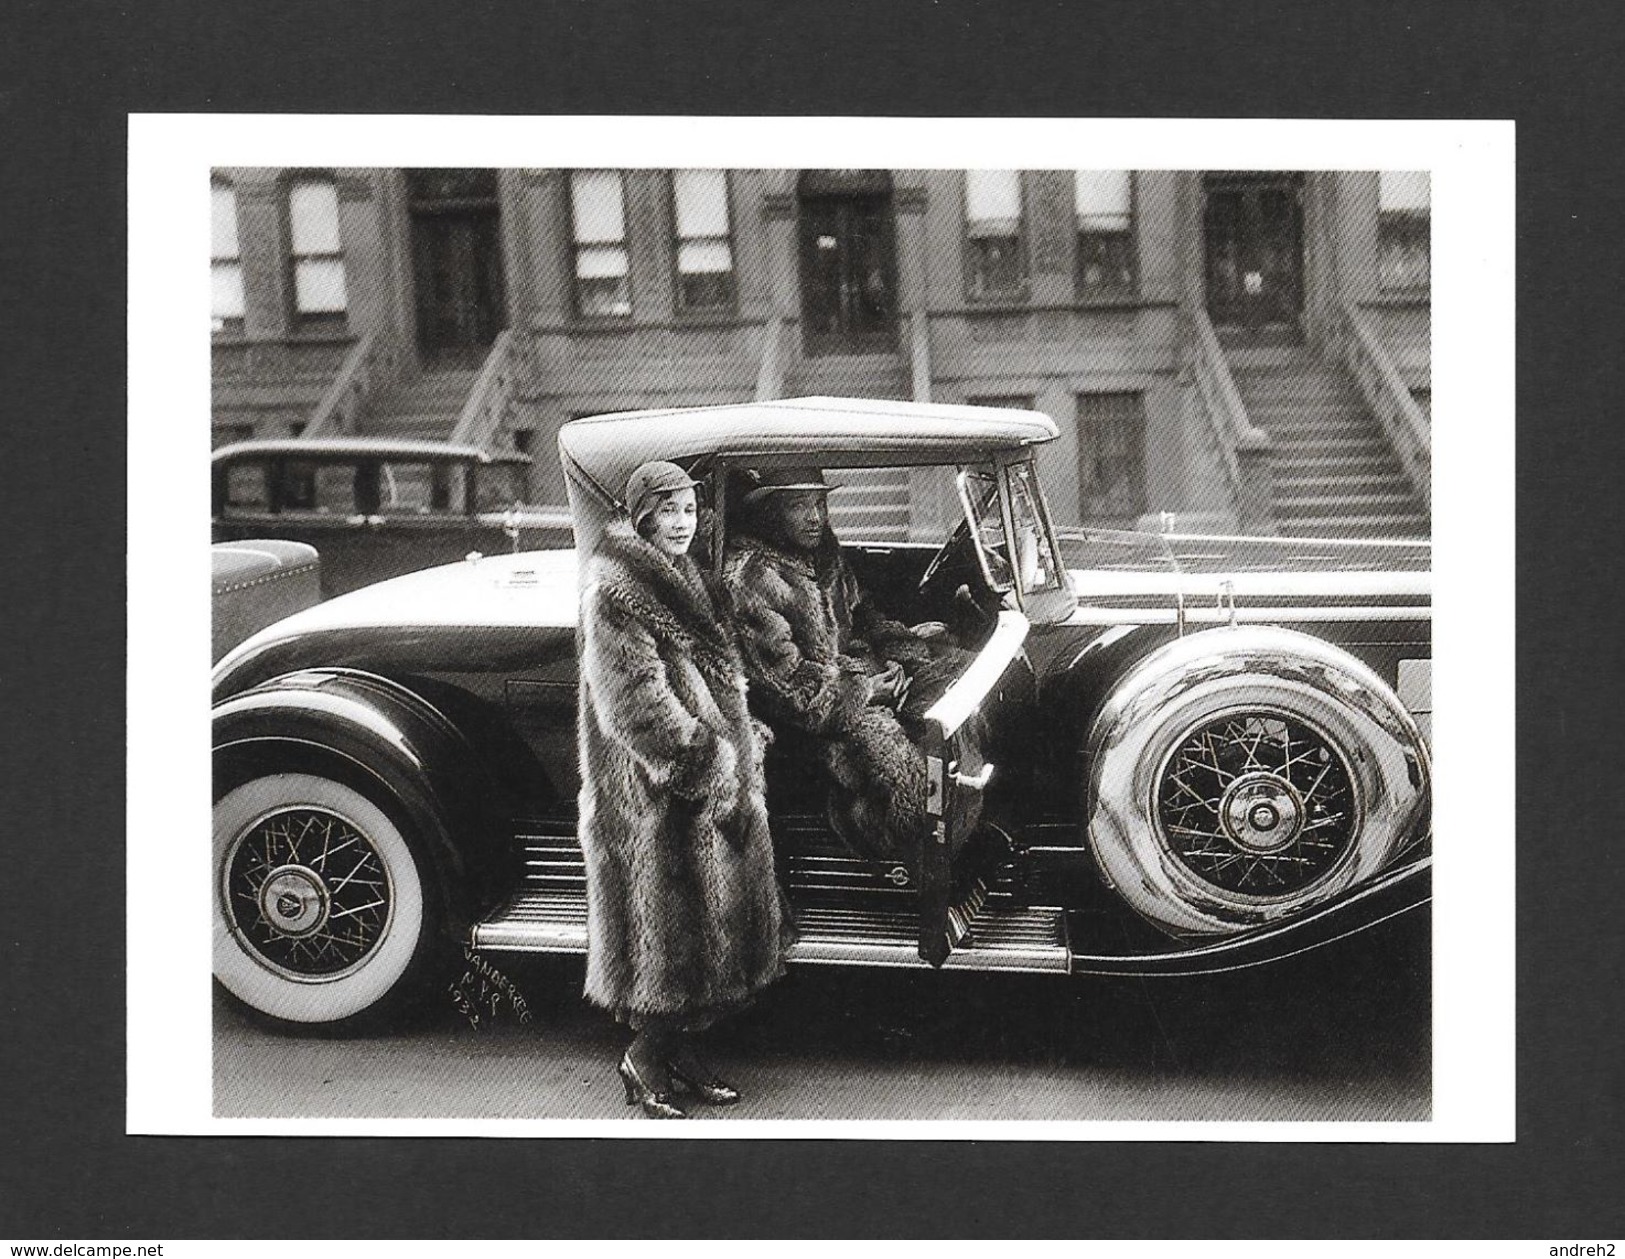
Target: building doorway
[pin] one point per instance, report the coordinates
(847, 239)
(1253, 227)
(456, 264)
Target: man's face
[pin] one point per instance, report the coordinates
(803, 513)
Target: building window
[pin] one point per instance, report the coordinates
(598, 227)
(317, 258)
(225, 262)
(705, 256)
(1111, 456)
(995, 255)
(1104, 202)
(1404, 221)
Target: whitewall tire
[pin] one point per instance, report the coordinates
(319, 900)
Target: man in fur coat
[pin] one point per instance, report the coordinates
(824, 662)
(684, 913)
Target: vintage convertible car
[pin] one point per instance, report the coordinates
(1196, 753)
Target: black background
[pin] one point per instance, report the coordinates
(69, 74)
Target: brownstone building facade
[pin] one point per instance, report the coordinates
(1241, 349)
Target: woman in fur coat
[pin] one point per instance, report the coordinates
(824, 662)
(685, 921)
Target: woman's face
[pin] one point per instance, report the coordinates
(670, 526)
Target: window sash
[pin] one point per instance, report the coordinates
(226, 291)
(1404, 191)
(998, 266)
(1111, 434)
(1107, 265)
(600, 262)
(701, 198)
(597, 207)
(704, 257)
(992, 203)
(608, 296)
(319, 287)
(316, 251)
(1404, 250)
(313, 217)
(223, 244)
(1103, 200)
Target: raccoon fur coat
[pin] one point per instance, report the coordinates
(685, 919)
(810, 639)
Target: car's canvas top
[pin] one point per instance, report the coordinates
(607, 448)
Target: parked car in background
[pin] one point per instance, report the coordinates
(1196, 757)
(378, 507)
(259, 581)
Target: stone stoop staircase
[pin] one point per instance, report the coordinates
(870, 504)
(1335, 472)
(425, 405)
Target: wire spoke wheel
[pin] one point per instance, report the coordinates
(1243, 776)
(308, 892)
(1257, 803)
(320, 915)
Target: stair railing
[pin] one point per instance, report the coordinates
(1407, 427)
(919, 335)
(489, 403)
(369, 360)
(770, 369)
(1245, 451)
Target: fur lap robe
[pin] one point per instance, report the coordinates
(684, 915)
(809, 641)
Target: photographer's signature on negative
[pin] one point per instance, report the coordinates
(482, 992)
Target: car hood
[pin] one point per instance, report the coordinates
(1117, 575)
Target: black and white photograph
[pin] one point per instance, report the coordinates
(802, 648)
(927, 621)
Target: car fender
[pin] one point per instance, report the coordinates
(380, 731)
(1390, 899)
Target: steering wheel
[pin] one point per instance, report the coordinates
(956, 563)
(953, 551)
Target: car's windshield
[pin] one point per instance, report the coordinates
(1035, 559)
(1033, 566)
(979, 495)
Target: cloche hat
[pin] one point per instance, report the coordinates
(649, 482)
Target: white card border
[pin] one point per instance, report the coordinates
(169, 1013)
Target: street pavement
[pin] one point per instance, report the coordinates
(1323, 1037)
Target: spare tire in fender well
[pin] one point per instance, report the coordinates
(1239, 776)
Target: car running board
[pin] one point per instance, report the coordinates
(997, 935)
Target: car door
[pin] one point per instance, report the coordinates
(957, 775)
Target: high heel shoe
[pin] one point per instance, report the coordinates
(657, 1104)
(713, 1092)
